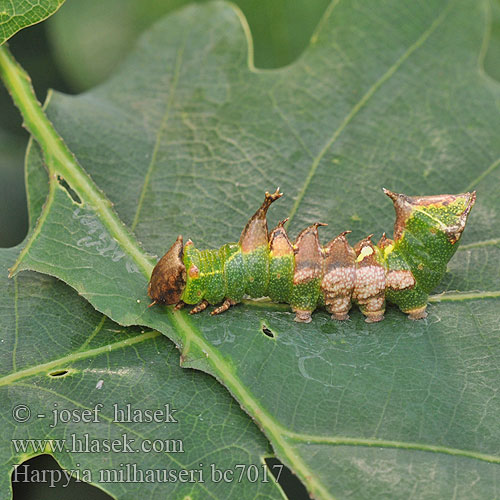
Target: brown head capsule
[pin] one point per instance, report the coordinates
(168, 278)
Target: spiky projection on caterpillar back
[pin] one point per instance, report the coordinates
(306, 275)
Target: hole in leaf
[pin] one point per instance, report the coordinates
(58, 373)
(28, 485)
(267, 332)
(288, 481)
(71, 192)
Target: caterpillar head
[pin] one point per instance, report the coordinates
(168, 278)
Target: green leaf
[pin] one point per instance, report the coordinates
(492, 56)
(57, 354)
(281, 30)
(187, 136)
(12, 195)
(18, 14)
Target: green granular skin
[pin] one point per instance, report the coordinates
(234, 271)
(226, 273)
(212, 271)
(281, 278)
(425, 249)
(256, 265)
(407, 300)
(230, 273)
(321, 300)
(446, 215)
(305, 295)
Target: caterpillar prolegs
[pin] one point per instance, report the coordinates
(306, 275)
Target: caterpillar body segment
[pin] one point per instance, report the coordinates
(281, 265)
(339, 276)
(306, 275)
(369, 285)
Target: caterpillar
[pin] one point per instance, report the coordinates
(402, 270)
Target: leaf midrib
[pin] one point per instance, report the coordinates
(229, 379)
(299, 437)
(243, 394)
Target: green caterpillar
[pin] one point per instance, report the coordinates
(306, 275)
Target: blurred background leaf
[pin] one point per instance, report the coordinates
(281, 30)
(17, 14)
(492, 55)
(13, 218)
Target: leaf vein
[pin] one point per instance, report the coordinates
(385, 443)
(163, 126)
(35, 370)
(363, 101)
